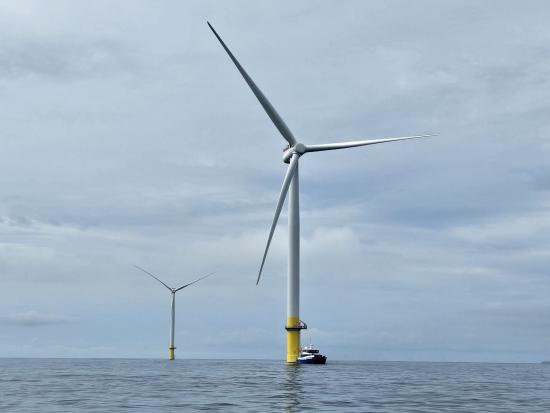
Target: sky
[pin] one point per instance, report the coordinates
(129, 138)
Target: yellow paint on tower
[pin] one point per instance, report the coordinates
(292, 340)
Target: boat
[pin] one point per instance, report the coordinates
(310, 355)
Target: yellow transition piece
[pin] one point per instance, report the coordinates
(292, 340)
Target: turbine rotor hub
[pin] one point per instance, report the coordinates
(298, 148)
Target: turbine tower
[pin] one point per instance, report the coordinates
(173, 292)
(293, 151)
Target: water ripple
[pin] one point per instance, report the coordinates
(65, 385)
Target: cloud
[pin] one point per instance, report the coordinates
(62, 59)
(129, 138)
(33, 318)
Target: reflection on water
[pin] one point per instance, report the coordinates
(293, 389)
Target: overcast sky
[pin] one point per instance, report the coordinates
(128, 137)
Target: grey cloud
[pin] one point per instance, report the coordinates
(177, 168)
(63, 59)
(35, 319)
(519, 316)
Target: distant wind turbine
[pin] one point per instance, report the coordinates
(293, 151)
(173, 291)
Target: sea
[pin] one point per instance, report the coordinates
(115, 385)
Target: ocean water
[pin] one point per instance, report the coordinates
(109, 385)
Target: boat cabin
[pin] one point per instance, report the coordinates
(310, 350)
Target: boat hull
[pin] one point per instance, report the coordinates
(317, 359)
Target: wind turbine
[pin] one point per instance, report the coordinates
(293, 151)
(173, 291)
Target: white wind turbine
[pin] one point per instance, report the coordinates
(173, 291)
(293, 151)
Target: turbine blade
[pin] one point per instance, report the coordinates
(352, 144)
(197, 280)
(268, 107)
(280, 202)
(147, 272)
